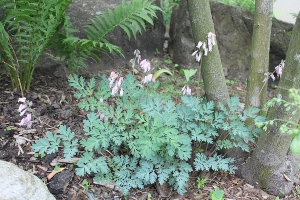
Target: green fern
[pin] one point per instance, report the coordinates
(129, 16)
(30, 26)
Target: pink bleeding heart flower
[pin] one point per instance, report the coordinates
(22, 109)
(23, 99)
(112, 78)
(198, 56)
(195, 52)
(119, 82)
(266, 77)
(278, 70)
(205, 49)
(26, 121)
(147, 78)
(199, 44)
(211, 40)
(145, 65)
(272, 77)
(186, 90)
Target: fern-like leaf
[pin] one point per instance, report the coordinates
(130, 16)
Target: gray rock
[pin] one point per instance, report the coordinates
(233, 26)
(19, 184)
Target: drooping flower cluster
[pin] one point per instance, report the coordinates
(147, 78)
(145, 65)
(113, 80)
(186, 90)
(202, 47)
(267, 75)
(115, 83)
(26, 121)
(137, 58)
(278, 70)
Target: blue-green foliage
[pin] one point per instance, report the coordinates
(88, 164)
(154, 134)
(216, 163)
(49, 144)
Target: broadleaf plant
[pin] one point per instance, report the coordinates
(148, 134)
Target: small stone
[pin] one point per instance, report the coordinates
(60, 182)
(56, 106)
(66, 114)
(20, 184)
(264, 195)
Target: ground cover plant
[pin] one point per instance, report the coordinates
(148, 135)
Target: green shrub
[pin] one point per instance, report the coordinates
(248, 4)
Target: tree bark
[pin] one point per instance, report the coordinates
(272, 161)
(256, 90)
(211, 68)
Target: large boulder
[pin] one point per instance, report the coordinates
(19, 184)
(234, 27)
(80, 13)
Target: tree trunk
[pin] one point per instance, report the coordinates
(256, 90)
(272, 161)
(211, 67)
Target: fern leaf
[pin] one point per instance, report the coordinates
(129, 16)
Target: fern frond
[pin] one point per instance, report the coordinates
(76, 51)
(31, 24)
(4, 41)
(8, 56)
(129, 16)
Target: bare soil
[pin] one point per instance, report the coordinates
(54, 104)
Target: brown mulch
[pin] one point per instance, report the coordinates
(54, 105)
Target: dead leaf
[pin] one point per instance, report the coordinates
(33, 159)
(28, 131)
(286, 177)
(264, 195)
(54, 172)
(54, 162)
(72, 160)
(42, 168)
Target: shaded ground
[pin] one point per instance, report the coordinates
(53, 105)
